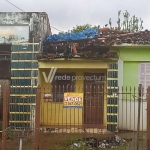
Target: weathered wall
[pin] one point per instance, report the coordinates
(5, 62)
(12, 34)
(41, 26)
(3, 83)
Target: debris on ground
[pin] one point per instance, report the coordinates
(106, 143)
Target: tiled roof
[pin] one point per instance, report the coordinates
(98, 47)
(115, 37)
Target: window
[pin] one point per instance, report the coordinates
(62, 85)
(144, 76)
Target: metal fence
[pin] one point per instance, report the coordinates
(17, 129)
(63, 112)
(69, 117)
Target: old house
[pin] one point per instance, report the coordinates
(86, 67)
(25, 33)
(134, 68)
(119, 56)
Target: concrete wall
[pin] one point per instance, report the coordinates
(12, 34)
(128, 115)
(38, 21)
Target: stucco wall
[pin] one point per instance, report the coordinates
(55, 111)
(134, 53)
(128, 106)
(130, 73)
(131, 56)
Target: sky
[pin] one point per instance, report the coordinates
(65, 14)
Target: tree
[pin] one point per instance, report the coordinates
(80, 28)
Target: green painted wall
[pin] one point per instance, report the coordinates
(130, 72)
(134, 53)
(131, 56)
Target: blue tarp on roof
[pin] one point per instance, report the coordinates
(72, 36)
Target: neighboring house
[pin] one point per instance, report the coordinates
(134, 69)
(25, 32)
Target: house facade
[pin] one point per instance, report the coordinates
(82, 116)
(87, 68)
(25, 32)
(134, 68)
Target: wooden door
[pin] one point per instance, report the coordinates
(93, 100)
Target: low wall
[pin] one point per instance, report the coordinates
(128, 115)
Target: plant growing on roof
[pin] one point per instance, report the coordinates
(129, 24)
(141, 25)
(110, 23)
(118, 22)
(127, 15)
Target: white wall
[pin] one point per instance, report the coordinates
(128, 115)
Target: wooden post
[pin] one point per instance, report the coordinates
(148, 118)
(8, 104)
(37, 118)
(4, 120)
(20, 144)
